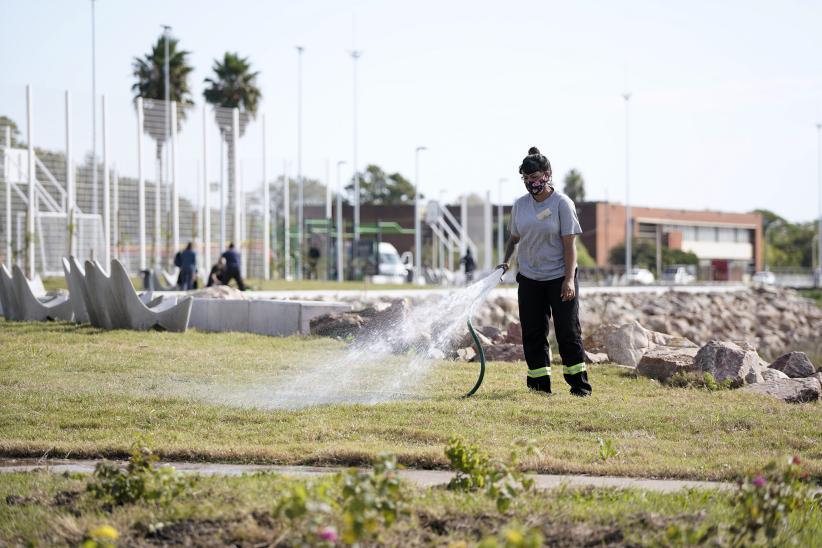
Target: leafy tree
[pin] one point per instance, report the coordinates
(584, 258)
(380, 188)
(234, 85)
(788, 244)
(5, 121)
(150, 83)
(574, 186)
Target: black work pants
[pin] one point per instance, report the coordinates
(538, 301)
(233, 272)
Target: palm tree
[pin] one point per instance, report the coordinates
(234, 86)
(574, 186)
(150, 84)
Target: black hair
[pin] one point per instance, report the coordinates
(231, 245)
(535, 162)
(188, 246)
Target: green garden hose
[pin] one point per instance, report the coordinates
(481, 355)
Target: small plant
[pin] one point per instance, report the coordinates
(371, 499)
(693, 379)
(310, 508)
(678, 535)
(514, 537)
(606, 449)
(475, 470)
(765, 500)
(140, 481)
(104, 536)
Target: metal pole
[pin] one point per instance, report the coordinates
(300, 211)
(31, 182)
(115, 210)
(206, 196)
(340, 248)
(94, 189)
(819, 231)
(418, 279)
(71, 192)
(266, 216)
(175, 200)
(286, 223)
(486, 212)
(222, 191)
(628, 222)
(8, 204)
(106, 192)
(463, 229)
(354, 56)
(166, 127)
(500, 226)
(141, 186)
(235, 184)
(328, 219)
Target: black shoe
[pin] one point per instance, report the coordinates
(580, 393)
(541, 384)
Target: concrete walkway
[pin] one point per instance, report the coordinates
(422, 478)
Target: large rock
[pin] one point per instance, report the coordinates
(772, 375)
(794, 364)
(802, 390)
(728, 361)
(662, 362)
(337, 325)
(597, 341)
(596, 357)
(626, 344)
(506, 352)
(514, 335)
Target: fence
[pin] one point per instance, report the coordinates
(162, 175)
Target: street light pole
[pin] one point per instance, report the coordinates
(299, 162)
(340, 249)
(417, 224)
(167, 112)
(628, 222)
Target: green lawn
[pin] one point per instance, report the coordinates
(80, 392)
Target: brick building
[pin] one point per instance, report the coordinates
(728, 245)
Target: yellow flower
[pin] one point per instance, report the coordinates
(104, 532)
(513, 537)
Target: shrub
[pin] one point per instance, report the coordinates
(698, 380)
(140, 481)
(765, 500)
(475, 470)
(513, 536)
(310, 508)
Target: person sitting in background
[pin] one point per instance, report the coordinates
(217, 274)
(186, 260)
(232, 267)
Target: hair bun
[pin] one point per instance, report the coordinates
(533, 150)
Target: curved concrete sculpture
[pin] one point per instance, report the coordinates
(109, 306)
(8, 296)
(74, 280)
(39, 309)
(168, 315)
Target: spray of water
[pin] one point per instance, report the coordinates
(389, 360)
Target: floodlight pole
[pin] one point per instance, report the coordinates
(206, 197)
(819, 226)
(94, 206)
(340, 248)
(628, 222)
(355, 55)
(106, 191)
(417, 224)
(266, 215)
(71, 191)
(167, 112)
(141, 186)
(286, 223)
(31, 182)
(175, 200)
(300, 209)
(8, 203)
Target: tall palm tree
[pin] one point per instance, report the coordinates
(234, 85)
(149, 72)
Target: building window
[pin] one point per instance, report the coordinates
(688, 233)
(706, 234)
(726, 234)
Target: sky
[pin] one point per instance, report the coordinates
(724, 96)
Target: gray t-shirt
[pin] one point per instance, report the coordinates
(540, 227)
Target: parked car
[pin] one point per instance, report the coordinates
(765, 277)
(677, 275)
(390, 267)
(641, 276)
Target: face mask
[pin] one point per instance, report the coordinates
(535, 187)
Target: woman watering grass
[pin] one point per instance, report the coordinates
(544, 227)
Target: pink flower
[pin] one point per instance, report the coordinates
(328, 534)
(759, 481)
(796, 459)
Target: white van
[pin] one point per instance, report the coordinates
(390, 267)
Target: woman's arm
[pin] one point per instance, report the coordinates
(569, 253)
(510, 246)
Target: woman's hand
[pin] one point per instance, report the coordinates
(568, 292)
(503, 266)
